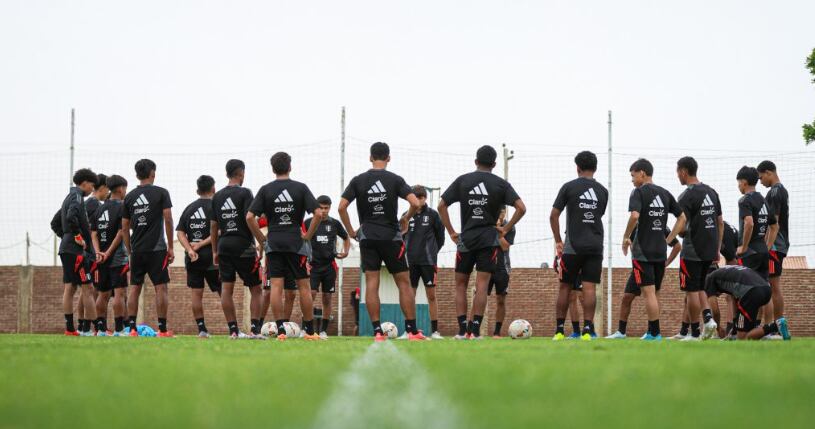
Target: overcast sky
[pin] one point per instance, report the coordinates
(222, 76)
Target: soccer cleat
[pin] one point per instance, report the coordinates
(281, 337)
(678, 337)
(691, 338)
(203, 335)
(783, 328)
(469, 336)
(574, 336)
(559, 337)
(380, 337)
(134, 333)
(323, 335)
(86, 334)
(616, 336)
(418, 336)
(302, 334)
(460, 337)
(121, 333)
(436, 336)
(233, 336)
(772, 337)
(101, 334)
(404, 336)
(586, 337)
(71, 334)
(243, 336)
(709, 329)
(649, 337)
(168, 334)
(476, 338)
(311, 337)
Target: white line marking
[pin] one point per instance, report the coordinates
(385, 388)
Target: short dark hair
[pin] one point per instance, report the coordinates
(766, 165)
(324, 200)
(205, 183)
(419, 190)
(643, 165)
(84, 175)
(144, 167)
(688, 164)
(486, 155)
(233, 166)
(101, 180)
(115, 181)
(281, 163)
(748, 174)
(586, 161)
(380, 151)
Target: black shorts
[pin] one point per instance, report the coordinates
(325, 276)
(692, 275)
(425, 273)
(374, 252)
(776, 264)
(578, 284)
(645, 274)
(484, 260)
(758, 262)
(499, 281)
(154, 264)
(76, 269)
(749, 305)
(588, 268)
(107, 278)
(247, 268)
(287, 264)
(197, 276)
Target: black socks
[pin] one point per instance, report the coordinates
(560, 326)
(462, 324)
(119, 323)
(410, 326)
(588, 327)
(324, 325)
(377, 327)
(162, 324)
(308, 326)
(475, 325)
(434, 326)
(69, 323)
(684, 329)
(497, 330)
(202, 327)
(621, 325)
(653, 327)
(233, 327)
(694, 330)
(707, 315)
(255, 326)
(575, 326)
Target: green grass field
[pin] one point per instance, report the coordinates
(53, 381)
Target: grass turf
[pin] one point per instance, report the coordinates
(50, 381)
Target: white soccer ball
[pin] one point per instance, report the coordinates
(390, 330)
(520, 329)
(292, 329)
(268, 329)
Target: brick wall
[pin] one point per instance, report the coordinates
(532, 296)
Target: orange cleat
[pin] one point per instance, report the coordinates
(168, 334)
(281, 337)
(71, 334)
(134, 333)
(418, 336)
(311, 337)
(380, 338)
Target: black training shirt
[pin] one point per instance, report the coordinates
(74, 220)
(779, 204)
(324, 241)
(144, 206)
(229, 208)
(585, 202)
(730, 242)
(194, 223)
(701, 206)
(107, 221)
(503, 264)
(285, 203)
(653, 203)
(424, 237)
(734, 280)
(752, 204)
(377, 193)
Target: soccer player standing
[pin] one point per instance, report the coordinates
(147, 211)
(704, 227)
(649, 207)
(285, 202)
(232, 249)
(424, 236)
(73, 249)
(500, 278)
(581, 254)
(377, 192)
(193, 232)
(750, 291)
(92, 203)
(778, 201)
(756, 222)
(323, 254)
(112, 266)
(480, 195)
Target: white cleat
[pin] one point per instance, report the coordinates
(709, 329)
(436, 336)
(243, 336)
(616, 336)
(691, 338)
(404, 336)
(678, 337)
(302, 333)
(86, 334)
(323, 335)
(772, 337)
(644, 335)
(460, 337)
(203, 335)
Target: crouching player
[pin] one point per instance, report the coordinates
(110, 275)
(750, 291)
(193, 233)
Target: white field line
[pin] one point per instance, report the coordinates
(385, 388)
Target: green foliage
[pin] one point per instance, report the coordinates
(809, 129)
(811, 64)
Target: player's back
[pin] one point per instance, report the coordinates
(285, 203)
(778, 200)
(585, 201)
(701, 206)
(653, 203)
(144, 206)
(229, 208)
(195, 222)
(377, 193)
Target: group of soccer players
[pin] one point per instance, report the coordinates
(115, 233)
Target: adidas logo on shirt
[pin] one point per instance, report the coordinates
(657, 202)
(104, 217)
(141, 201)
(284, 197)
(199, 214)
(377, 188)
(707, 202)
(479, 190)
(763, 210)
(228, 204)
(589, 195)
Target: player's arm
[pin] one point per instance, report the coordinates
(504, 244)
(199, 244)
(772, 232)
(554, 223)
(520, 211)
(213, 235)
(114, 244)
(445, 220)
(633, 218)
(674, 253)
(96, 247)
(747, 233)
(185, 243)
(126, 234)
(679, 226)
(72, 215)
(168, 230)
(317, 217)
(403, 223)
(414, 205)
(438, 232)
(252, 222)
(342, 209)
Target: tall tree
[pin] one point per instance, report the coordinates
(809, 129)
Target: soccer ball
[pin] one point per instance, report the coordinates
(390, 330)
(268, 329)
(520, 329)
(292, 329)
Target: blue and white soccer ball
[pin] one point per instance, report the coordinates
(390, 330)
(292, 329)
(520, 330)
(268, 329)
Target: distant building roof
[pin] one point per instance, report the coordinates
(796, 263)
